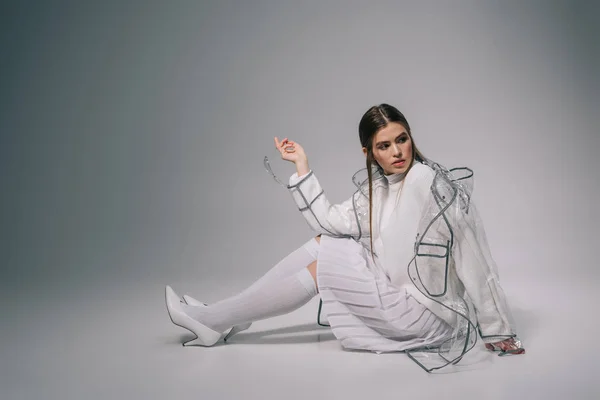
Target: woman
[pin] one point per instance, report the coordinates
(403, 265)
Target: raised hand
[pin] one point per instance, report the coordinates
(293, 152)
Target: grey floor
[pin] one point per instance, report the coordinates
(116, 341)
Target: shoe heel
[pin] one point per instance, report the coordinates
(233, 331)
(204, 335)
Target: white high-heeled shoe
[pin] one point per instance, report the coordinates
(236, 329)
(204, 335)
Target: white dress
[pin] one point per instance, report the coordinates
(365, 300)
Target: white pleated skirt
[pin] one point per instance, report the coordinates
(364, 309)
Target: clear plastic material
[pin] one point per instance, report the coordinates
(452, 264)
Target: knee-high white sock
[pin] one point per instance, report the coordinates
(275, 297)
(292, 263)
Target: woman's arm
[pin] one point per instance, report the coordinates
(331, 219)
(320, 214)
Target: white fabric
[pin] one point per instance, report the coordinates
(371, 304)
(388, 219)
(273, 298)
(448, 259)
(366, 312)
(400, 230)
(292, 263)
(395, 222)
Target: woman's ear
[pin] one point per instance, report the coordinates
(364, 151)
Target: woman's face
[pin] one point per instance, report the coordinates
(392, 149)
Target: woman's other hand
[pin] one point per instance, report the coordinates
(508, 346)
(293, 152)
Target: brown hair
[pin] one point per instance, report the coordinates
(375, 119)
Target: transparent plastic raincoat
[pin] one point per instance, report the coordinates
(452, 264)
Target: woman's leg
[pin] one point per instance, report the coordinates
(293, 262)
(272, 298)
(289, 265)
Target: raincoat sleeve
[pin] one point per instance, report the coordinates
(477, 271)
(322, 216)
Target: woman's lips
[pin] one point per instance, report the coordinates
(399, 163)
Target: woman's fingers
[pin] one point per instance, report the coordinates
(279, 145)
(287, 146)
(289, 150)
(509, 346)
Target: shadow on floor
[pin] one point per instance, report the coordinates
(308, 333)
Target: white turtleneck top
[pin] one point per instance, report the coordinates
(399, 210)
(389, 202)
(391, 198)
(398, 207)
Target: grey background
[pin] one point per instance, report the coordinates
(132, 139)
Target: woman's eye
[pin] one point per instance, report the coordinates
(402, 139)
(383, 147)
